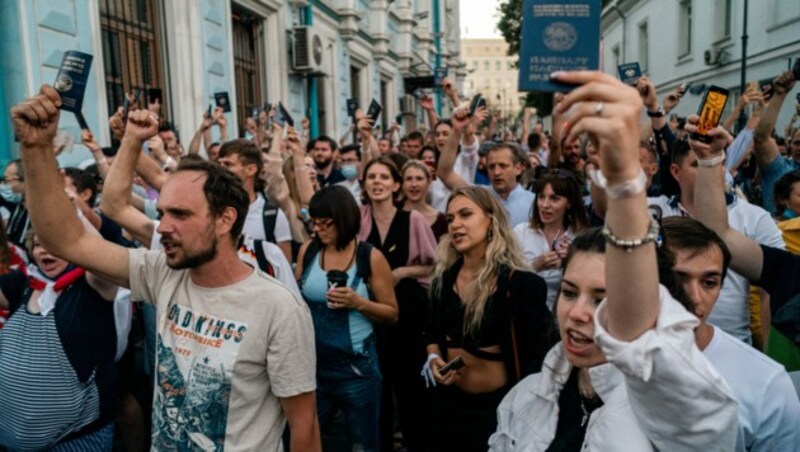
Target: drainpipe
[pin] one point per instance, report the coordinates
(437, 27)
(313, 105)
(5, 131)
(624, 30)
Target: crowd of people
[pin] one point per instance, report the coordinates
(614, 283)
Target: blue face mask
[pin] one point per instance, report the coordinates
(789, 214)
(8, 194)
(349, 171)
(248, 136)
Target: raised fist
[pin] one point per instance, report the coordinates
(36, 119)
(142, 124)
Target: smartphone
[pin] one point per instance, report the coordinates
(282, 117)
(710, 112)
(686, 86)
(796, 69)
(254, 113)
(153, 95)
(374, 111)
(477, 102)
(267, 107)
(210, 109)
(455, 364)
(419, 94)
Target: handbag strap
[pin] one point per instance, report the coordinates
(514, 350)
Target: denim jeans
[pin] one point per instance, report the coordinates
(353, 386)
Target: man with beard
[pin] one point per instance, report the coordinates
(224, 323)
(323, 153)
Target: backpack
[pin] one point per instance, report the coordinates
(261, 258)
(269, 216)
(363, 263)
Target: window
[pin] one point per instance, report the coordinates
(644, 44)
(685, 28)
(722, 19)
(784, 11)
(615, 55)
(497, 65)
(355, 82)
(131, 50)
(486, 65)
(475, 65)
(246, 62)
(469, 50)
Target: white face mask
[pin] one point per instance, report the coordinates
(9, 195)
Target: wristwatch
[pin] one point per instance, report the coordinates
(659, 113)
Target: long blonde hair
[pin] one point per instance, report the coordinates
(502, 251)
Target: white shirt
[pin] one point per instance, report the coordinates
(467, 161)
(254, 223)
(439, 193)
(659, 393)
(732, 311)
(533, 244)
(353, 186)
(769, 411)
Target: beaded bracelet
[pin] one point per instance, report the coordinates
(629, 245)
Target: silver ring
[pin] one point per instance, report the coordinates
(598, 108)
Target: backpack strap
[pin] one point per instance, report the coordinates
(261, 258)
(308, 256)
(269, 217)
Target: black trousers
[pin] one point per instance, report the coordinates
(460, 421)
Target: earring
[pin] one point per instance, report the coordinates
(490, 234)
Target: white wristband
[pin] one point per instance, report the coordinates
(620, 190)
(712, 162)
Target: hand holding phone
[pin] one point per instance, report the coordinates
(453, 365)
(710, 112)
(477, 102)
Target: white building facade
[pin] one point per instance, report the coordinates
(699, 41)
(191, 49)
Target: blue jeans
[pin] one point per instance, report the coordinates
(352, 385)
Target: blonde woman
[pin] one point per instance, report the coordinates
(486, 309)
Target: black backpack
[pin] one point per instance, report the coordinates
(363, 263)
(269, 216)
(261, 258)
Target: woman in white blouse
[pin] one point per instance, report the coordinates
(558, 214)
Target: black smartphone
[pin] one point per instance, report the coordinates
(796, 69)
(419, 94)
(254, 112)
(477, 102)
(455, 364)
(267, 107)
(153, 95)
(686, 86)
(374, 111)
(710, 112)
(767, 88)
(210, 109)
(282, 117)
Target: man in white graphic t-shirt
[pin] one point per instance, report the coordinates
(235, 349)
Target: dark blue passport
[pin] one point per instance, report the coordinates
(630, 73)
(71, 79)
(352, 106)
(557, 35)
(223, 101)
(439, 74)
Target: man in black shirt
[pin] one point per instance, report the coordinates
(323, 152)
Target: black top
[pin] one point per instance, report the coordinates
(85, 324)
(517, 311)
(780, 277)
(395, 245)
(573, 416)
(333, 178)
(487, 335)
(439, 227)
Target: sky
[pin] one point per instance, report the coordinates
(478, 18)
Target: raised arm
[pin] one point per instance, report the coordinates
(747, 259)
(116, 202)
(205, 125)
(447, 160)
(555, 138)
(631, 275)
(765, 147)
(430, 111)
(87, 137)
(57, 226)
(449, 88)
(305, 190)
(369, 145)
(650, 98)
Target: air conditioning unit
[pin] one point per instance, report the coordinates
(715, 56)
(306, 50)
(408, 104)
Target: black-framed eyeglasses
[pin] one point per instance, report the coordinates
(10, 179)
(321, 223)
